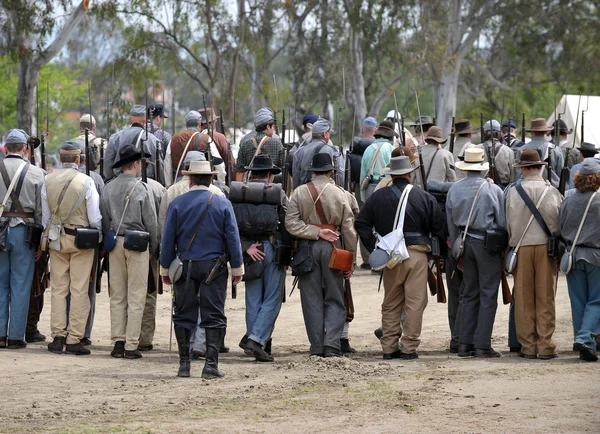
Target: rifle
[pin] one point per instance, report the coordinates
(441, 290)
(492, 153)
(208, 131)
(432, 281)
(587, 106)
(144, 140)
(481, 131)
(346, 183)
(452, 135)
(421, 165)
(396, 121)
(277, 108)
(506, 293)
(87, 134)
(523, 129)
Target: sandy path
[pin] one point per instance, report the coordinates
(44, 392)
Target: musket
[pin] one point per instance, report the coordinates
(346, 183)
(173, 112)
(209, 157)
(234, 124)
(285, 176)
(523, 129)
(277, 101)
(87, 134)
(492, 152)
(481, 131)
(144, 163)
(587, 106)
(421, 165)
(441, 290)
(506, 293)
(452, 135)
(565, 173)
(45, 134)
(107, 136)
(397, 121)
(37, 126)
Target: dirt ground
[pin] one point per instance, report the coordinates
(44, 392)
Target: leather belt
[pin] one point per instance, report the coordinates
(70, 231)
(25, 215)
(332, 227)
(415, 234)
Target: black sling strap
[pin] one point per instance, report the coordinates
(533, 208)
(431, 165)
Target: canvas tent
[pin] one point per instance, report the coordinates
(568, 105)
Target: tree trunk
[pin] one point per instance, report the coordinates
(236, 56)
(446, 97)
(358, 79)
(26, 95)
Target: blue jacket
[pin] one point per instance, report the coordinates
(217, 235)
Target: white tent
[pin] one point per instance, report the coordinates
(568, 105)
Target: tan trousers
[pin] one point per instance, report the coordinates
(70, 270)
(405, 287)
(128, 288)
(149, 317)
(535, 290)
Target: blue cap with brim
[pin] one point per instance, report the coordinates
(16, 136)
(371, 121)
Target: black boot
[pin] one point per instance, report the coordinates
(57, 345)
(213, 342)
(345, 346)
(268, 346)
(183, 342)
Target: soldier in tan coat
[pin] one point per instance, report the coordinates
(322, 289)
(69, 202)
(438, 162)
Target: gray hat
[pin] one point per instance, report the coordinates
(495, 126)
(138, 110)
(193, 115)
(263, 117)
(70, 147)
(590, 166)
(194, 156)
(399, 166)
(586, 146)
(16, 136)
(321, 126)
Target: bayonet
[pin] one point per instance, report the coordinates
(421, 166)
(87, 132)
(144, 163)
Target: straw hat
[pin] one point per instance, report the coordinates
(474, 161)
(199, 168)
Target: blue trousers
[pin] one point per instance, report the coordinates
(16, 274)
(584, 291)
(263, 298)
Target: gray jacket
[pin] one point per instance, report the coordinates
(571, 213)
(30, 194)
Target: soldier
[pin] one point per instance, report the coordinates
(129, 213)
(320, 143)
(478, 204)
(261, 228)
(20, 212)
(535, 273)
(509, 134)
(156, 117)
(426, 123)
(136, 135)
(219, 146)
(88, 121)
(262, 142)
(586, 150)
(539, 129)
(197, 340)
(437, 161)
(99, 184)
(322, 289)
(70, 203)
(503, 157)
(376, 158)
(406, 283)
(463, 134)
(560, 131)
(203, 282)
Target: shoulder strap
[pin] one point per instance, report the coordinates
(182, 157)
(258, 151)
(431, 164)
(401, 209)
(12, 184)
(375, 160)
(534, 210)
(127, 204)
(531, 218)
(63, 192)
(80, 199)
(317, 201)
(14, 194)
(199, 224)
(472, 208)
(585, 214)
(197, 141)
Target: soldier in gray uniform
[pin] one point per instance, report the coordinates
(136, 135)
(156, 119)
(503, 155)
(22, 208)
(482, 268)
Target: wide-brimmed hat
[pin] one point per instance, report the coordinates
(198, 167)
(263, 163)
(463, 126)
(474, 161)
(399, 166)
(539, 125)
(561, 126)
(129, 154)
(200, 156)
(586, 146)
(321, 162)
(435, 135)
(386, 129)
(87, 118)
(529, 157)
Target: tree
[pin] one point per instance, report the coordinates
(26, 27)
